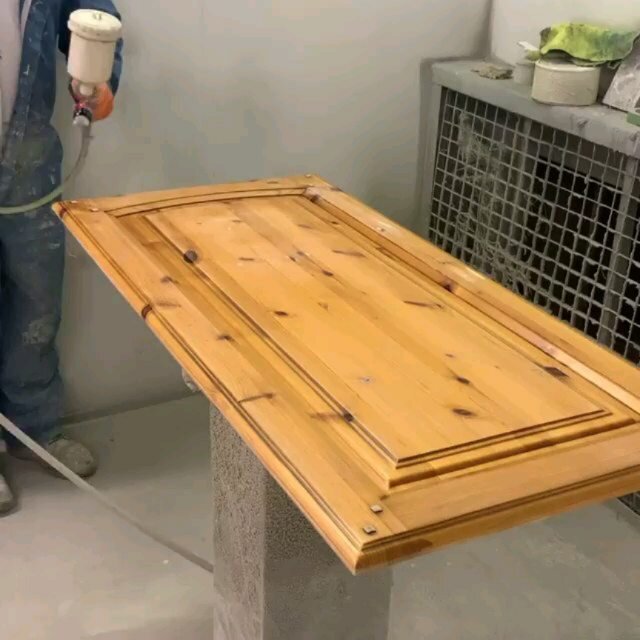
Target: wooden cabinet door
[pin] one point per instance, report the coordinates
(403, 400)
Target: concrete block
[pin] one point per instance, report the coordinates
(274, 577)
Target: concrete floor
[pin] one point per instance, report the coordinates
(70, 570)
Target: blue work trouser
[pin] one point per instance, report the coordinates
(31, 272)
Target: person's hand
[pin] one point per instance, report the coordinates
(100, 103)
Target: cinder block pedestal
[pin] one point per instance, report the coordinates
(274, 577)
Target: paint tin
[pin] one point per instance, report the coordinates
(565, 83)
(523, 72)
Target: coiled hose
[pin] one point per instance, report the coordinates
(50, 197)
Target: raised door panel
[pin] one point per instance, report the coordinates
(398, 396)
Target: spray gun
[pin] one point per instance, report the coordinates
(94, 35)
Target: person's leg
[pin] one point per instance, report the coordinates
(32, 250)
(7, 499)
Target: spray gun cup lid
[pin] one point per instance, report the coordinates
(95, 25)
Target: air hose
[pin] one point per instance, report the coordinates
(50, 197)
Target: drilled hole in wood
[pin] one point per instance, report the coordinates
(190, 256)
(463, 412)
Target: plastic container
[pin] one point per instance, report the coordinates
(94, 35)
(523, 72)
(564, 83)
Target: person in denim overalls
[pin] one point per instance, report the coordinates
(32, 243)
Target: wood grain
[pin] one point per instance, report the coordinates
(365, 367)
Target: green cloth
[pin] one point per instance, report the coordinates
(587, 44)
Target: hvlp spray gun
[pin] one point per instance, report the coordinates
(94, 35)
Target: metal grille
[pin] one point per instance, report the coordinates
(549, 215)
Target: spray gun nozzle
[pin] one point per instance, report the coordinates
(82, 115)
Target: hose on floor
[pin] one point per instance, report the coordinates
(31, 444)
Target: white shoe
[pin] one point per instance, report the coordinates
(7, 500)
(73, 455)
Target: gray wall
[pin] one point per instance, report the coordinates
(218, 91)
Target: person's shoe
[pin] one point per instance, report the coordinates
(7, 500)
(189, 382)
(71, 453)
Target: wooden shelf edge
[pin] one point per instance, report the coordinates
(154, 199)
(498, 519)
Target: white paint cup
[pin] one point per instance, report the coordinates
(94, 35)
